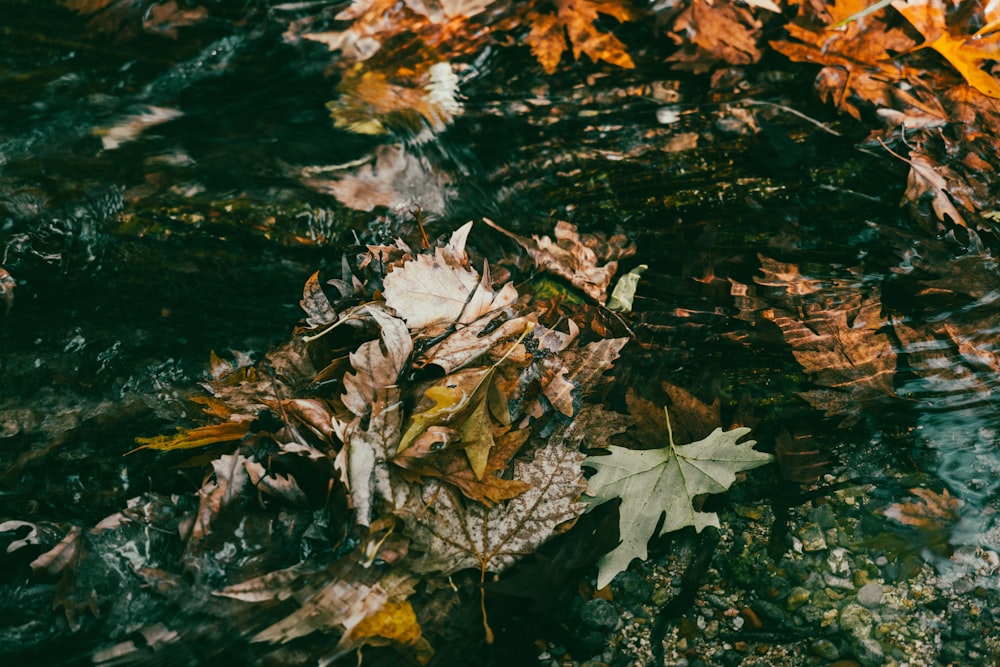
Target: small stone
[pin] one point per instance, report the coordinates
(768, 610)
(839, 562)
(824, 516)
(825, 649)
(631, 588)
(870, 595)
(812, 538)
(797, 597)
(599, 614)
(857, 620)
(869, 652)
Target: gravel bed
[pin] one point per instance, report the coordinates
(842, 587)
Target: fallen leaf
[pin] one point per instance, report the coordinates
(455, 536)
(571, 256)
(965, 52)
(655, 483)
(377, 363)
(453, 468)
(573, 20)
(431, 289)
(369, 450)
(931, 510)
(7, 285)
(713, 32)
(201, 436)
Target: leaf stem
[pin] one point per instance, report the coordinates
(670, 431)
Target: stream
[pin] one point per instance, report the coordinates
(164, 194)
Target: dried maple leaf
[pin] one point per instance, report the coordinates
(713, 32)
(574, 20)
(655, 483)
(572, 256)
(931, 510)
(454, 535)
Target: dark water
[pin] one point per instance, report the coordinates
(162, 197)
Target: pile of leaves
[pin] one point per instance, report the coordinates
(426, 422)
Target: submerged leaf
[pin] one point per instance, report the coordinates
(454, 535)
(657, 483)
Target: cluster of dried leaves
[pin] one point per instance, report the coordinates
(446, 430)
(942, 118)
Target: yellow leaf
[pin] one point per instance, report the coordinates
(395, 621)
(193, 438)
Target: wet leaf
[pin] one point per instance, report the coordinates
(573, 21)
(369, 450)
(431, 289)
(573, 256)
(710, 33)
(201, 436)
(965, 52)
(377, 363)
(7, 285)
(319, 311)
(395, 623)
(454, 468)
(657, 483)
(454, 535)
(624, 292)
(930, 511)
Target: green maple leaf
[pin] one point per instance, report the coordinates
(657, 482)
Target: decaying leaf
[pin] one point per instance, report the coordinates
(7, 285)
(573, 257)
(574, 20)
(930, 510)
(712, 32)
(655, 483)
(201, 436)
(454, 535)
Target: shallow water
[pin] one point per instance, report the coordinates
(165, 197)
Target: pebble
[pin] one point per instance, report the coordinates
(599, 614)
(856, 619)
(869, 652)
(825, 649)
(797, 597)
(870, 595)
(812, 538)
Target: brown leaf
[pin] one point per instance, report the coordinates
(965, 52)
(7, 285)
(576, 18)
(928, 181)
(377, 363)
(858, 64)
(231, 481)
(711, 33)
(453, 468)
(572, 257)
(316, 305)
(455, 536)
(931, 510)
(799, 458)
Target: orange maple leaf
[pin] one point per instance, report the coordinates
(576, 18)
(965, 52)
